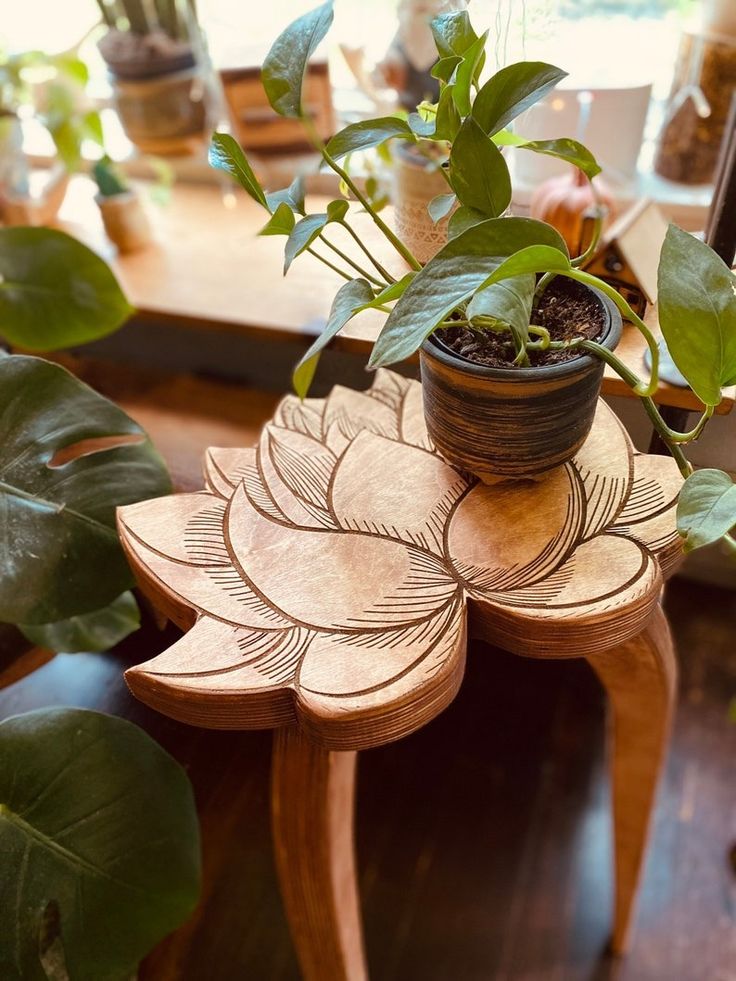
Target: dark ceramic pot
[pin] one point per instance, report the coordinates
(512, 423)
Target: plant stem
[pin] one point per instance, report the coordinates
(671, 438)
(346, 258)
(640, 388)
(136, 15)
(681, 460)
(693, 433)
(343, 174)
(107, 13)
(541, 332)
(597, 228)
(379, 268)
(327, 262)
(542, 285)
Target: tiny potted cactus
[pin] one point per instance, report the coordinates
(122, 213)
(512, 334)
(153, 54)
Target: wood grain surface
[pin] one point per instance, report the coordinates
(484, 838)
(325, 578)
(312, 807)
(325, 573)
(640, 678)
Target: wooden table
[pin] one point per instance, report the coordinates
(207, 270)
(328, 579)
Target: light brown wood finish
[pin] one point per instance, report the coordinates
(186, 277)
(313, 796)
(640, 678)
(328, 573)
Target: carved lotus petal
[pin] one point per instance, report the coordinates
(328, 573)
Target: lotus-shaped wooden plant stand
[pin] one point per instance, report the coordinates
(329, 577)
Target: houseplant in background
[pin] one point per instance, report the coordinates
(482, 287)
(98, 828)
(122, 212)
(53, 88)
(417, 180)
(154, 55)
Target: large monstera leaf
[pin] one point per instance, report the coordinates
(54, 291)
(99, 842)
(59, 491)
(96, 631)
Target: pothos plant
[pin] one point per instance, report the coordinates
(494, 269)
(98, 828)
(54, 85)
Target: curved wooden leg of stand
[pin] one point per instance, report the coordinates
(312, 800)
(640, 678)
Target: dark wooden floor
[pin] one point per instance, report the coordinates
(484, 839)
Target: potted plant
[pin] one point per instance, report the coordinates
(153, 53)
(54, 87)
(122, 213)
(511, 363)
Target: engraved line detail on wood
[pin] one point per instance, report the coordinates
(330, 574)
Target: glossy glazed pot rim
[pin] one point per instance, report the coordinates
(609, 338)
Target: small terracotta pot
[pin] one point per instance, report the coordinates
(125, 221)
(512, 423)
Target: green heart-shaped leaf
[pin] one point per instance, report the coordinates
(422, 127)
(368, 133)
(349, 299)
(337, 209)
(697, 313)
(444, 67)
(453, 33)
(564, 149)
(391, 292)
(286, 63)
(54, 291)
(478, 171)
(293, 195)
(99, 836)
(226, 154)
(509, 301)
(467, 72)
(96, 631)
(512, 90)
(302, 236)
(281, 222)
(463, 219)
(447, 121)
(57, 516)
(533, 259)
(451, 277)
(706, 508)
(439, 207)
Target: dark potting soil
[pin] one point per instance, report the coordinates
(567, 310)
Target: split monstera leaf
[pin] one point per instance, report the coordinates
(68, 456)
